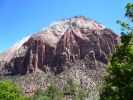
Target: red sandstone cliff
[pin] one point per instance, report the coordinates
(57, 47)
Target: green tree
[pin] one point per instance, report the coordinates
(39, 95)
(70, 87)
(81, 94)
(77, 92)
(118, 83)
(54, 93)
(51, 93)
(9, 91)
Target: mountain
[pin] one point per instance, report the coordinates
(77, 47)
(60, 44)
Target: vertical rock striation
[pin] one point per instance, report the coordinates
(59, 46)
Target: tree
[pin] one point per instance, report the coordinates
(77, 92)
(70, 87)
(51, 93)
(9, 91)
(39, 95)
(118, 83)
(81, 94)
(54, 93)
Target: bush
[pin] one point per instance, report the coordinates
(51, 93)
(54, 93)
(9, 91)
(70, 87)
(81, 94)
(77, 92)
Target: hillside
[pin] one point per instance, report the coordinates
(76, 47)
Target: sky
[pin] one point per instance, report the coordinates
(18, 18)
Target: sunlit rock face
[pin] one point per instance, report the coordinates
(58, 46)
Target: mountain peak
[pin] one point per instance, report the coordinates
(80, 22)
(80, 17)
(74, 22)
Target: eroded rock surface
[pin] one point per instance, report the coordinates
(56, 48)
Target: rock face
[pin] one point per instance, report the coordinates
(59, 46)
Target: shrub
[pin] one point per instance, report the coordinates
(54, 93)
(9, 91)
(51, 93)
(70, 87)
(76, 92)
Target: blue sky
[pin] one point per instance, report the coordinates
(18, 18)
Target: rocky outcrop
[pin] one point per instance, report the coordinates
(89, 45)
(57, 47)
(38, 56)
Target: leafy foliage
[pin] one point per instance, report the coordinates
(54, 93)
(51, 93)
(77, 92)
(39, 95)
(9, 91)
(129, 11)
(81, 94)
(118, 83)
(70, 87)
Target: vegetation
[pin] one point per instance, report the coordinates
(39, 95)
(72, 90)
(70, 87)
(54, 93)
(77, 92)
(51, 93)
(118, 80)
(81, 94)
(118, 83)
(9, 91)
